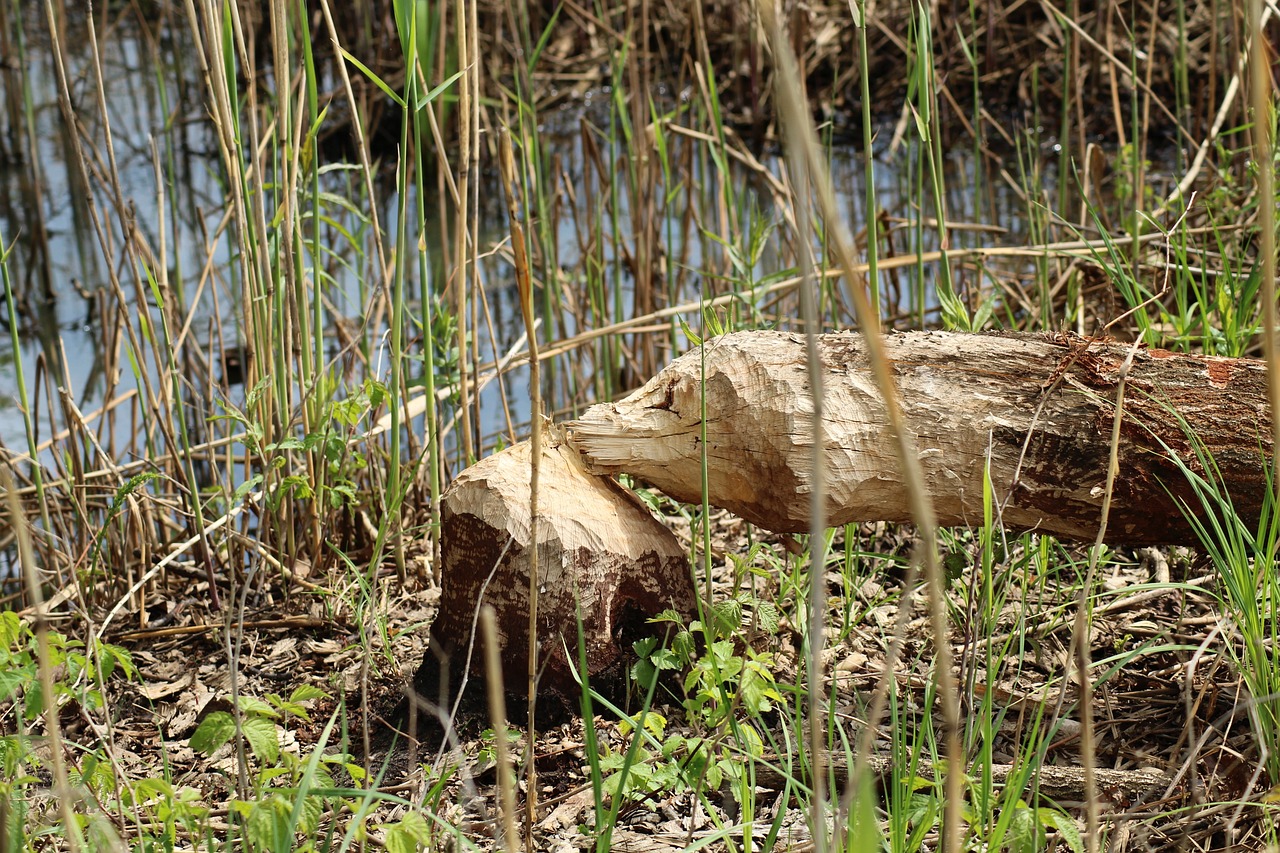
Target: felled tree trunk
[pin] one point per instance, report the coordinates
(602, 557)
(967, 399)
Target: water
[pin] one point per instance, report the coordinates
(59, 276)
(158, 121)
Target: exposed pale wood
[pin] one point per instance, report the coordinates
(967, 398)
(602, 555)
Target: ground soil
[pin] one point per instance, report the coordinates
(1180, 712)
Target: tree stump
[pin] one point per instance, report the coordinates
(602, 557)
(967, 398)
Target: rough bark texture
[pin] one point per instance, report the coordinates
(965, 397)
(601, 554)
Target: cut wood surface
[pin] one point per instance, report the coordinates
(967, 398)
(602, 557)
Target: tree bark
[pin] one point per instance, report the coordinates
(602, 556)
(1039, 408)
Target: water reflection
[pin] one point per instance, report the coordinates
(157, 125)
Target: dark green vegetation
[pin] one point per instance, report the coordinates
(304, 317)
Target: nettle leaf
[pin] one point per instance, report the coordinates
(1024, 832)
(263, 740)
(269, 826)
(1065, 827)
(727, 617)
(289, 443)
(216, 729)
(33, 701)
(312, 809)
(113, 656)
(306, 692)
(409, 834)
(749, 738)
(10, 629)
(767, 617)
(14, 678)
(654, 723)
(152, 787)
(714, 775)
(254, 705)
(294, 485)
(293, 709)
(376, 391)
(683, 646)
(668, 615)
(340, 494)
(272, 773)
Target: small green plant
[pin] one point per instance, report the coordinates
(19, 679)
(721, 673)
(285, 800)
(331, 441)
(726, 689)
(80, 675)
(261, 725)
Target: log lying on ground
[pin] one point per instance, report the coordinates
(601, 555)
(965, 397)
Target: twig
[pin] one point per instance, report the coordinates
(498, 720)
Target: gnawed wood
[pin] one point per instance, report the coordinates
(602, 556)
(967, 398)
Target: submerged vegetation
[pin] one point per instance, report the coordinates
(265, 294)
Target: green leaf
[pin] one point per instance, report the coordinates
(374, 78)
(152, 787)
(1023, 830)
(767, 617)
(254, 705)
(215, 730)
(643, 673)
(1065, 827)
(14, 678)
(665, 659)
(269, 825)
(263, 740)
(712, 323)
(435, 93)
(654, 723)
(416, 827)
(246, 487)
(751, 741)
(307, 692)
(398, 840)
(727, 617)
(690, 334)
(10, 629)
(683, 646)
(668, 615)
(295, 710)
(113, 656)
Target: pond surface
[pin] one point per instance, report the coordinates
(156, 122)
